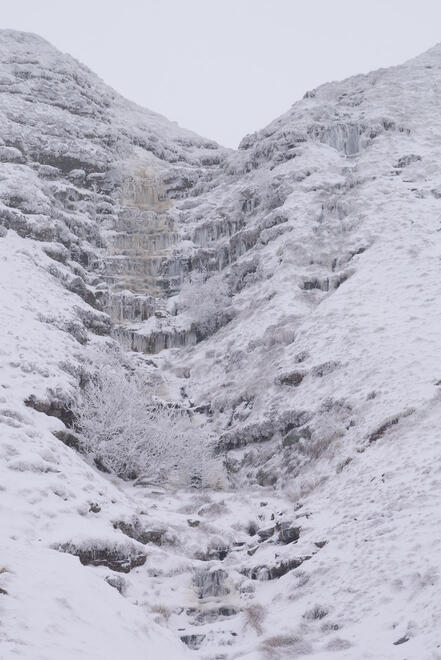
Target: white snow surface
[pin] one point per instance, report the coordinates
(326, 227)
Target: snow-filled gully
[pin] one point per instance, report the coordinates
(229, 555)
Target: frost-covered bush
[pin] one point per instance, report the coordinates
(254, 617)
(132, 435)
(206, 301)
(285, 646)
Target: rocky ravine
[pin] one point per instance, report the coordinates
(315, 369)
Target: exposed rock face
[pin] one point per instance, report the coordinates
(289, 292)
(120, 559)
(193, 641)
(210, 583)
(94, 176)
(265, 572)
(136, 531)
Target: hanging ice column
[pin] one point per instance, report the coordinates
(347, 138)
(142, 236)
(141, 269)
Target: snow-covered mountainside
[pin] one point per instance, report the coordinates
(286, 296)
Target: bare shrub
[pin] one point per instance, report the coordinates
(206, 301)
(316, 613)
(131, 434)
(254, 617)
(284, 646)
(162, 613)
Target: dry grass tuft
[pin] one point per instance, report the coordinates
(254, 616)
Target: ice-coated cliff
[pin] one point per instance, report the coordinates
(287, 294)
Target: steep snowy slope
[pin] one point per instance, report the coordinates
(331, 277)
(64, 138)
(289, 293)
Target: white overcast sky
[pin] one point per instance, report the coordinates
(224, 68)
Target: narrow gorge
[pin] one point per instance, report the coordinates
(283, 299)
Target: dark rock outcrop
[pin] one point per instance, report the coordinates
(118, 558)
